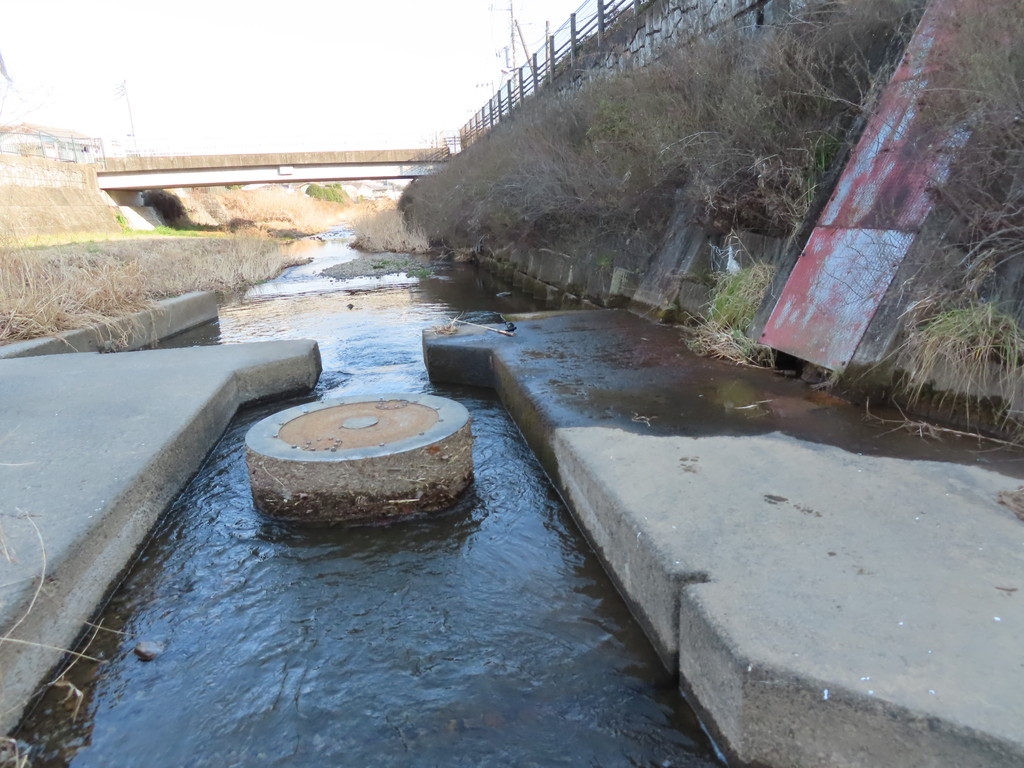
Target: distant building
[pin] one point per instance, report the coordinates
(63, 144)
(375, 190)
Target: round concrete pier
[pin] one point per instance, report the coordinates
(361, 459)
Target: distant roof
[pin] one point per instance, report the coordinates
(48, 130)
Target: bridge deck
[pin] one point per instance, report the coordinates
(135, 173)
(203, 162)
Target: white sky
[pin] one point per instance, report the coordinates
(331, 74)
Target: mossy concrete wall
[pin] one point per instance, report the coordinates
(49, 197)
(670, 283)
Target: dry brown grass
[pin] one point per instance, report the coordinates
(58, 288)
(12, 754)
(45, 290)
(972, 350)
(222, 265)
(744, 124)
(270, 209)
(1014, 500)
(381, 228)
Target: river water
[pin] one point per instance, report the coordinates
(486, 635)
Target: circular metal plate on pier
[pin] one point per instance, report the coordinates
(365, 459)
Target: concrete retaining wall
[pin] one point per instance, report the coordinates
(47, 197)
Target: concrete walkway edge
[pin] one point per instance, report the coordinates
(141, 329)
(823, 608)
(93, 449)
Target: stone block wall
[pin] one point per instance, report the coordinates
(662, 26)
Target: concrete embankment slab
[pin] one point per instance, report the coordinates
(92, 449)
(141, 329)
(824, 606)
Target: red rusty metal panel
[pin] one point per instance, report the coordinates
(887, 183)
(833, 293)
(879, 205)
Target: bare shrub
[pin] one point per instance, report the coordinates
(759, 117)
(976, 95)
(381, 227)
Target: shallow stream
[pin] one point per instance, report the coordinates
(486, 635)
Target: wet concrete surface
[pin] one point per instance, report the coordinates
(613, 368)
(830, 594)
(833, 591)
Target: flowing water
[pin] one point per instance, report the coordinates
(486, 635)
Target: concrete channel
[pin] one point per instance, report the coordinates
(142, 329)
(93, 447)
(823, 607)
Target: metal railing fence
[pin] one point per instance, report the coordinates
(68, 149)
(593, 20)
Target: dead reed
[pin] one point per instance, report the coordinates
(273, 210)
(12, 754)
(381, 228)
(58, 288)
(972, 350)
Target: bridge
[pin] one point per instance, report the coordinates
(138, 173)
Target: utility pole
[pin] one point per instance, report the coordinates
(512, 33)
(510, 49)
(122, 92)
(548, 55)
(526, 52)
